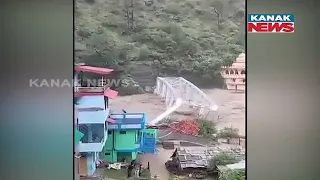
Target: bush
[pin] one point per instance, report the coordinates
(229, 132)
(233, 175)
(144, 52)
(207, 128)
(223, 158)
(173, 8)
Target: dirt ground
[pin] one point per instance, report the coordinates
(231, 110)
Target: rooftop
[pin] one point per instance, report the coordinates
(195, 157)
(127, 121)
(91, 110)
(91, 102)
(96, 70)
(128, 118)
(93, 117)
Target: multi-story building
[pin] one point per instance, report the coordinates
(91, 122)
(92, 113)
(111, 137)
(235, 75)
(128, 136)
(77, 136)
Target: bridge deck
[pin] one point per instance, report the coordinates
(190, 94)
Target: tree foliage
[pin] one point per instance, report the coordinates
(207, 128)
(229, 132)
(233, 175)
(180, 36)
(223, 158)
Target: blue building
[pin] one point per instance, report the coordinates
(92, 115)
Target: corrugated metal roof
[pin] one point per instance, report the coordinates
(195, 157)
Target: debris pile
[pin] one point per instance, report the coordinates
(189, 127)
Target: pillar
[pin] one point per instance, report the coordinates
(89, 134)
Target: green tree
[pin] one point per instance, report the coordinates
(229, 132)
(207, 128)
(179, 35)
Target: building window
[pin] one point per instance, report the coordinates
(243, 72)
(231, 72)
(107, 154)
(93, 133)
(227, 72)
(234, 79)
(243, 80)
(123, 132)
(236, 72)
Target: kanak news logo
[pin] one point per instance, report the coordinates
(270, 23)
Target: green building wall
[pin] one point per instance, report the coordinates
(110, 156)
(125, 140)
(120, 141)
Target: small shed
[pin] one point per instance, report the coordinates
(195, 157)
(192, 160)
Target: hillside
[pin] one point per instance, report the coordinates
(169, 36)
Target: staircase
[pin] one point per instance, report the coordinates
(149, 141)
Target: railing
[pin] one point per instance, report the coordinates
(165, 90)
(180, 93)
(128, 116)
(91, 147)
(172, 100)
(199, 99)
(90, 89)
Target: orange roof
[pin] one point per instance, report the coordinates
(112, 121)
(110, 93)
(96, 70)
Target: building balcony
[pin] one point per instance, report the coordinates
(91, 147)
(90, 89)
(127, 121)
(234, 76)
(94, 139)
